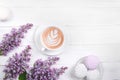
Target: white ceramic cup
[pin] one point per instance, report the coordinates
(39, 42)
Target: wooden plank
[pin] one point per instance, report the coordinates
(95, 34)
(65, 16)
(61, 3)
(88, 34)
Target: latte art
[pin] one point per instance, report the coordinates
(52, 37)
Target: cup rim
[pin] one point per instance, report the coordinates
(43, 45)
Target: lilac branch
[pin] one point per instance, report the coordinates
(13, 39)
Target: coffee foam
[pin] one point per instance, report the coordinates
(52, 37)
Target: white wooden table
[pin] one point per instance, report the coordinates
(93, 25)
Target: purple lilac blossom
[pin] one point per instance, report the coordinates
(42, 70)
(13, 39)
(17, 64)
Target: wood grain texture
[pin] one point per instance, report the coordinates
(93, 26)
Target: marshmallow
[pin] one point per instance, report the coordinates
(5, 13)
(93, 75)
(80, 71)
(91, 62)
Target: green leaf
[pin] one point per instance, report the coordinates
(0, 52)
(22, 76)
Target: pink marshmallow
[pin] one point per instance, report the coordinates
(91, 62)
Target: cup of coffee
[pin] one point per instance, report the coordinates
(52, 38)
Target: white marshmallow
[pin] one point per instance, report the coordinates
(5, 13)
(93, 75)
(80, 71)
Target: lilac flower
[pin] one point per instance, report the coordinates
(42, 70)
(12, 40)
(17, 64)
